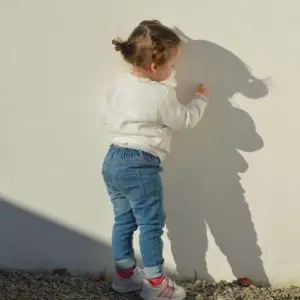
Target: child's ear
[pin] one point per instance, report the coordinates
(153, 67)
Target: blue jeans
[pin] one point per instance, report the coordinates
(133, 181)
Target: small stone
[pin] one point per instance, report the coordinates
(101, 277)
(60, 272)
(245, 282)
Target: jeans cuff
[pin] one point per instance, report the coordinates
(126, 263)
(153, 272)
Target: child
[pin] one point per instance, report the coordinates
(141, 111)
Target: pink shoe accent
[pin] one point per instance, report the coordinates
(125, 274)
(156, 281)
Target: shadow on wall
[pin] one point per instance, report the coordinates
(31, 242)
(202, 182)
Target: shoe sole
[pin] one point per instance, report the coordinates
(161, 298)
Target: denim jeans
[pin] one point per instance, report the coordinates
(133, 181)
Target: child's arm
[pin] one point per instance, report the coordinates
(176, 115)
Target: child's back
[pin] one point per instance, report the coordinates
(132, 113)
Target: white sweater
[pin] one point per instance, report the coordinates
(142, 114)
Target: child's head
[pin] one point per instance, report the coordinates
(152, 49)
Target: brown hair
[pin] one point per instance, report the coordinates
(150, 42)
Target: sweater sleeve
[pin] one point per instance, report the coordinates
(176, 116)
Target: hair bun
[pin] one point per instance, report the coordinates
(124, 47)
(119, 44)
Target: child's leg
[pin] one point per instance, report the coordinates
(122, 235)
(129, 278)
(150, 215)
(124, 225)
(141, 184)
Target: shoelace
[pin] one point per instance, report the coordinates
(168, 290)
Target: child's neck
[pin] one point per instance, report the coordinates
(142, 73)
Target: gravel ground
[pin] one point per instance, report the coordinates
(18, 285)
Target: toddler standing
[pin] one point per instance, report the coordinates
(142, 111)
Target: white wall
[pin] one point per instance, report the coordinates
(231, 184)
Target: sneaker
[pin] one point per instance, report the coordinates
(132, 284)
(167, 290)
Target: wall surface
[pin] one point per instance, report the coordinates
(231, 185)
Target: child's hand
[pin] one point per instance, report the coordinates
(201, 90)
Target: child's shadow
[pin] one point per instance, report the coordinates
(202, 182)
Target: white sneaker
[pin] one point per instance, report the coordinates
(167, 290)
(132, 284)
